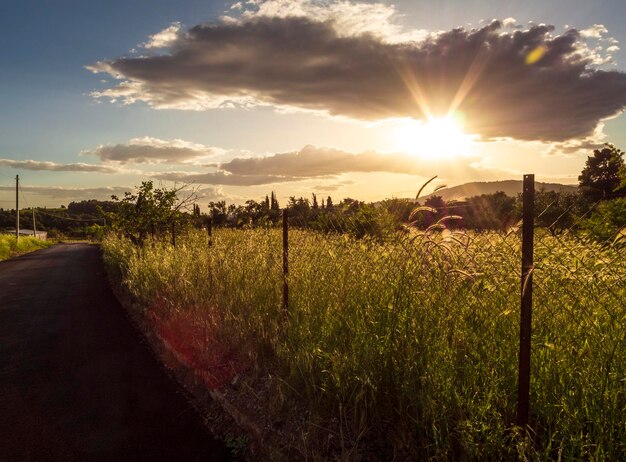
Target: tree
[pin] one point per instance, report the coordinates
(601, 176)
(488, 211)
(607, 223)
(148, 211)
(274, 202)
(299, 210)
(217, 212)
(556, 210)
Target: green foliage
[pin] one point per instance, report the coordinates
(91, 207)
(238, 446)
(601, 176)
(410, 344)
(607, 223)
(70, 222)
(94, 232)
(10, 248)
(557, 211)
(149, 211)
(488, 211)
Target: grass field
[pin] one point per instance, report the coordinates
(409, 348)
(9, 248)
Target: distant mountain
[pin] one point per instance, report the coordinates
(509, 187)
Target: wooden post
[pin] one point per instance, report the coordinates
(173, 234)
(285, 261)
(523, 391)
(17, 208)
(209, 230)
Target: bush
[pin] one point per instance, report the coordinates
(607, 222)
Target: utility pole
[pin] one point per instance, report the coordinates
(17, 208)
(34, 223)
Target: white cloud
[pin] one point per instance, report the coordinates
(164, 38)
(595, 31)
(348, 18)
(149, 150)
(55, 167)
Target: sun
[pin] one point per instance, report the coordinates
(437, 138)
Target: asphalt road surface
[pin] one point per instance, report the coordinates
(76, 381)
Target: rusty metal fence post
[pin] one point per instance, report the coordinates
(523, 390)
(285, 261)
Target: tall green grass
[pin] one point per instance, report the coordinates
(9, 247)
(410, 347)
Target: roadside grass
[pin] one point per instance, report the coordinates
(9, 248)
(409, 348)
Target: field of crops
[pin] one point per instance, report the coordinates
(9, 247)
(410, 346)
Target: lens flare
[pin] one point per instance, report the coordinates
(536, 55)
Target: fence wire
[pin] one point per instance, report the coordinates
(405, 319)
(579, 349)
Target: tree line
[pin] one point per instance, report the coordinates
(80, 219)
(598, 206)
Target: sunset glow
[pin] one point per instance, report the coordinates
(438, 138)
(330, 97)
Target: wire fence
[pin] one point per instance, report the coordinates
(433, 290)
(441, 324)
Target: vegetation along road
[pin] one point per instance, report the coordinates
(76, 381)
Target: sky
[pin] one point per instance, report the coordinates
(342, 98)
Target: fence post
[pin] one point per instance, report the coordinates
(285, 261)
(173, 234)
(209, 230)
(523, 390)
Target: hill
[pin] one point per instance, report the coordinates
(509, 187)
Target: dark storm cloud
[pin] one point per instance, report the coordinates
(303, 63)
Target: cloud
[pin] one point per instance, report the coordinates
(586, 145)
(595, 31)
(149, 150)
(289, 54)
(53, 166)
(312, 162)
(75, 194)
(164, 38)
(333, 186)
(348, 18)
(224, 178)
(37, 193)
(580, 146)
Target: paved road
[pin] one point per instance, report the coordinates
(76, 382)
